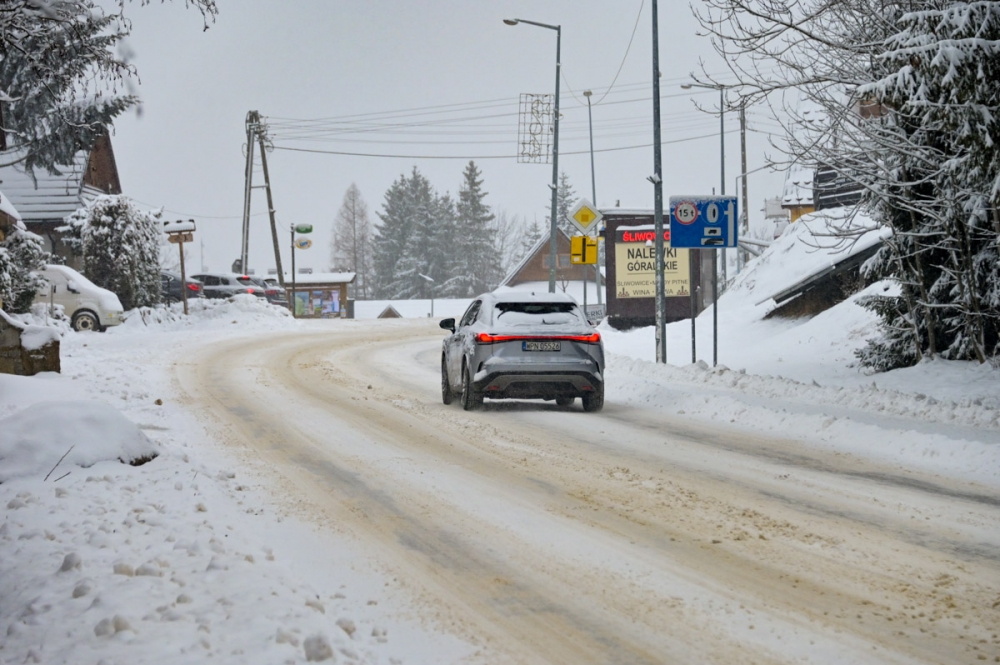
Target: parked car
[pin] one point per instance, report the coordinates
(88, 306)
(224, 285)
(522, 345)
(274, 294)
(170, 287)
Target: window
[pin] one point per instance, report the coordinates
(562, 260)
(471, 313)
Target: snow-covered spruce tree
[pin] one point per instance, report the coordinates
(908, 108)
(509, 235)
(351, 244)
(21, 253)
(532, 233)
(61, 82)
(942, 97)
(565, 202)
(392, 235)
(478, 264)
(120, 245)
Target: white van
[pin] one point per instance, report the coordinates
(89, 306)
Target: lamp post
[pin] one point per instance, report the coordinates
(657, 180)
(555, 149)
(593, 194)
(431, 280)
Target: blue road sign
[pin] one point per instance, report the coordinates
(703, 222)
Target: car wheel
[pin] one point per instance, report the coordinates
(471, 399)
(564, 400)
(594, 401)
(447, 394)
(83, 321)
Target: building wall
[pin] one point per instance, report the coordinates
(537, 268)
(102, 170)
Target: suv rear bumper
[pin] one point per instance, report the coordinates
(500, 379)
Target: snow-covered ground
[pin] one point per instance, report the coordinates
(184, 559)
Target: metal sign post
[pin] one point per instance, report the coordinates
(180, 232)
(303, 243)
(705, 222)
(586, 217)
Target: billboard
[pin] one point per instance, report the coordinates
(635, 265)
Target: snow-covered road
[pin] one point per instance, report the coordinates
(636, 535)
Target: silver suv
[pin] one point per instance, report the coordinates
(522, 345)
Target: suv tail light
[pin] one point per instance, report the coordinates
(193, 287)
(486, 338)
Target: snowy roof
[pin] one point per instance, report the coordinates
(322, 278)
(7, 207)
(53, 197)
(798, 189)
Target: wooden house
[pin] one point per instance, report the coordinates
(46, 200)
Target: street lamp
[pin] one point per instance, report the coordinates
(593, 193)
(555, 149)
(431, 280)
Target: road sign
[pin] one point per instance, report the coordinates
(582, 250)
(177, 238)
(703, 222)
(303, 243)
(585, 217)
(303, 228)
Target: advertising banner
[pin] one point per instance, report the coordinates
(635, 271)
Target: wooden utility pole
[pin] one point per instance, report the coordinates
(270, 207)
(745, 222)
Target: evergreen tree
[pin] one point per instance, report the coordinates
(120, 248)
(565, 202)
(430, 218)
(532, 234)
(351, 244)
(392, 236)
(478, 269)
(60, 76)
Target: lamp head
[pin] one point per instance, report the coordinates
(686, 86)
(587, 93)
(511, 21)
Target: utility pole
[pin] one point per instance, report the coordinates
(657, 180)
(252, 123)
(270, 208)
(257, 133)
(745, 222)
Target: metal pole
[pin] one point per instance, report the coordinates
(722, 161)
(291, 228)
(693, 277)
(555, 168)
(661, 330)
(715, 307)
(184, 291)
(593, 194)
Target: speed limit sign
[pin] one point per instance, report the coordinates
(686, 213)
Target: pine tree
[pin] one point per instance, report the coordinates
(532, 234)
(351, 244)
(120, 248)
(478, 268)
(392, 236)
(565, 202)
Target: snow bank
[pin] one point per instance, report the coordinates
(208, 313)
(85, 431)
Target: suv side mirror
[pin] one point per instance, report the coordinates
(448, 324)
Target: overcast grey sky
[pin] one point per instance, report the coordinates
(311, 59)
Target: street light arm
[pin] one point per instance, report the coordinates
(515, 21)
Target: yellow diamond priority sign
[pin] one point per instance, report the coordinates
(585, 217)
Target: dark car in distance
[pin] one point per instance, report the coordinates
(224, 285)
(274, 293)
(170, 287)
(522, 345)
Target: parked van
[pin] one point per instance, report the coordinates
(89, 306)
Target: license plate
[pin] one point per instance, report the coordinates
(540, 346)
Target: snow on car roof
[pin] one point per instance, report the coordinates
(527, 296)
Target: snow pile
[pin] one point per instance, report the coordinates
(32, 336)
(47, 435)
(208, 313)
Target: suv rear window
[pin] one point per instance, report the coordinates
(547, 313)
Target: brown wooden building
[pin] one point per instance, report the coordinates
(534, 267)
(45, 201)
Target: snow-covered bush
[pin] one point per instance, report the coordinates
(21, 253)
(120, 247)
